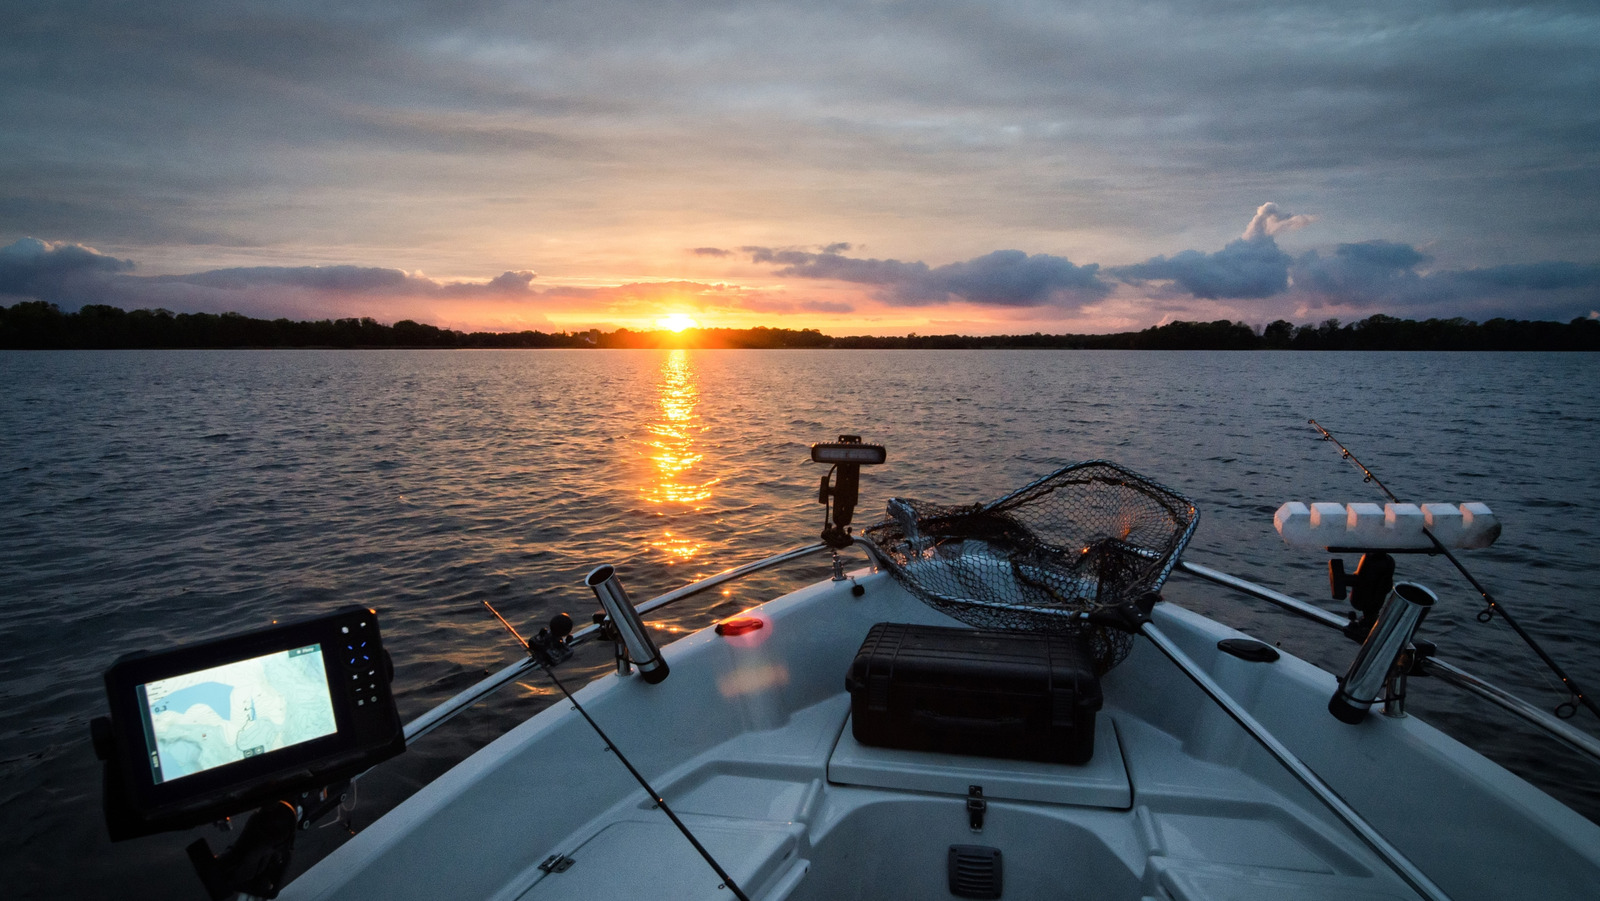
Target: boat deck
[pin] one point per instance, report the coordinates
(749, 741)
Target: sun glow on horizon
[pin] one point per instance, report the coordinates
(676, 322)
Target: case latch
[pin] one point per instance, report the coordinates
(975, 807)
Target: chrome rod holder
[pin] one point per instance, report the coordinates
(1373, 673)
(1433, 666)
(608, 632)
(630, 630)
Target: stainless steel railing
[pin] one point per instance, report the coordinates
(448, 710)
(1433, 666)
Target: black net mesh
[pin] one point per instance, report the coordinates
(1088, 536)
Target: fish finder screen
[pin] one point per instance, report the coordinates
(212, 717)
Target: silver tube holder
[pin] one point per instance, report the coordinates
(631, 630)
(1375, 664)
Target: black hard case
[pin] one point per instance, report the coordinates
(1019, 695)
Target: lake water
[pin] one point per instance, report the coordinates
(153, 497)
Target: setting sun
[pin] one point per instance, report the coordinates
(676, 322)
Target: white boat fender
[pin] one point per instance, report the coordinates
(1480, 529)
(1386, 527)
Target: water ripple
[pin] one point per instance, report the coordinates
(153, 497)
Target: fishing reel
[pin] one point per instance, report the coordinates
(552, 644)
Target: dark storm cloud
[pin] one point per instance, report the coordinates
(1004, 278)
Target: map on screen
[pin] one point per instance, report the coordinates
(205, 719)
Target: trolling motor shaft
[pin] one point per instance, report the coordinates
(1374, 672)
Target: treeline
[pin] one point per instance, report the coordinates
(39, 325)
(759, 337)
(1373, 333)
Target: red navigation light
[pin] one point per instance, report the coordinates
(739, 625)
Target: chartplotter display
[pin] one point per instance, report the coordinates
(211, 729)
(224, 714)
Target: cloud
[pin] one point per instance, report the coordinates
(396, 120)
(711, 252)
(53, 271)
(1004, 278)
(1248, 279)
(72, 275)
(1546, 276)
(1384, 276)
(1253, 268)
(1371, 271)
(513, 281)
(341, 279)
(1269, 221)
(780, 306)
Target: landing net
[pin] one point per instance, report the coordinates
(1088, 536)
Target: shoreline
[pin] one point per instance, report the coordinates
(35, 325)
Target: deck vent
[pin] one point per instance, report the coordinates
(974, 871)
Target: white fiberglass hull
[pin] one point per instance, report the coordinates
(748, 742)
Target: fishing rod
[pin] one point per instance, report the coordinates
(1565, 710)
(549, 648)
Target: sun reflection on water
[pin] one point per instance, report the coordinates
(671, 446)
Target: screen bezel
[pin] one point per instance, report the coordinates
(199, 797)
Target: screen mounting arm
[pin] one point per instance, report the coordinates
(847, 455)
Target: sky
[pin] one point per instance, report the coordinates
(883, 167)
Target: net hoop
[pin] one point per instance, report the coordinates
(1087, 536)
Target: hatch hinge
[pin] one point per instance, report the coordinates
(557, 863)
(975, 807)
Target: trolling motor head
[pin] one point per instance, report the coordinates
(847, 455)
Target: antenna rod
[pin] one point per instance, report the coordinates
(1494, 606)
(654, 795)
